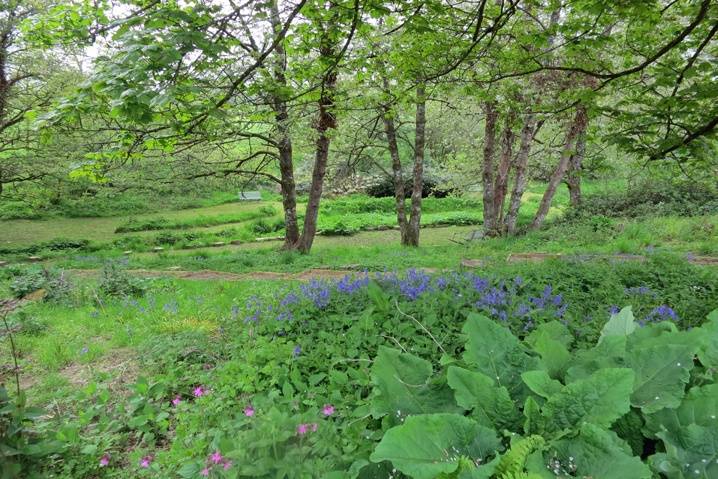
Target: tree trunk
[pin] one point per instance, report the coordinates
(284, 141)
(573, 179)
(412, 233)
(326, 120)
(398, 178)
(528, 132)
(577, 127)
(488, 170)
(502, 172)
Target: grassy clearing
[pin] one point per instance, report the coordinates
(380, 250)
(343, 216)
(16, 233)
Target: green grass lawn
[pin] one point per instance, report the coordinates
(26, 232)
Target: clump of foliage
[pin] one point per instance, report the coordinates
(57, 244)
(22, 447)
(264, 226)
(641, 401)
(54, 282)
(116, 281)
(650, 199)
(385, 188)
(292, 383)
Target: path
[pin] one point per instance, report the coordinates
(324, 273)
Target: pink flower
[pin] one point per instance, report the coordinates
(328, 410)
(104, 460)
(145, 462)
(249, 411)
(199, 391)
(176, 400)
(314, 426)
(204, 472)
(227, 465)
(302, 429)
(215, 457)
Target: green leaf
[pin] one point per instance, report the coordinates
(541, 383)
(432, 444)
(662, 372)
(708, 350)
(689, 434)
(492, 405)
(550, 330)
(620, 324)
(403, 386)
(532, 413)
(601, 454)
(610, 353)
(599, 399)
(494, 351)
(555, 358)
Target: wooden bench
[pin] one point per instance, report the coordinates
(250, 196)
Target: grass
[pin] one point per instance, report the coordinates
(230, 222)
(16, 233)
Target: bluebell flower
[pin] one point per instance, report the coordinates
(297, 351)
(662, 313)
(613, 309)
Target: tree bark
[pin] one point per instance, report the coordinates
(573, 179)
(502, 172)
(413, 228)
(528, 132)
(577, 127)
(284, 141)
(488, 170)
(326, 120)
(397, 176)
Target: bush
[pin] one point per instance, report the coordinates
(650, 199)
(588, 412)
(116, 281)
(263, 226)
(429, 188)
(55, 283)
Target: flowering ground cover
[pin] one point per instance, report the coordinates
(319, 379)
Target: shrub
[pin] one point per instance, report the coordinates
(650, 199)
(263, 226)
(592, 412)
(55, 283)
(116, 281)
(429, 188)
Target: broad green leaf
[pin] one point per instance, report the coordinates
(599, 453)
(699, 406)
(432, 444)
(403, 385)
(551, 330)
(708, 350)
(690, 452)
(599, 399)
(610, 353)
(492, 406)
(620, 324)
(541, 383)
(662, 372)
(532, 413)
(555, 358)
(494, 351)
